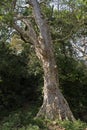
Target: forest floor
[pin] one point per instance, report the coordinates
(24, 119)
(55, 127)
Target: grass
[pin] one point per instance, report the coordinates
(23, 119)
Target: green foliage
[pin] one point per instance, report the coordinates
(16, 74)
(72, 77)
(23, 119)
(76, 125)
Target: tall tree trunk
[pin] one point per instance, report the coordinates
(54, 104)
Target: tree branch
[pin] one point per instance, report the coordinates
(30, 31)
(14, 4)
(22, 17)
(42, 25)
(22, 33)
(29, 35)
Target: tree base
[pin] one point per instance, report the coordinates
(59, 109)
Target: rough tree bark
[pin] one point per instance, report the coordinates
(54, 104)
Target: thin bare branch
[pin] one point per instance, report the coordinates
(14, 4)
(22, 17)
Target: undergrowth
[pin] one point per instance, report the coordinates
(76, 125)
(24, 120)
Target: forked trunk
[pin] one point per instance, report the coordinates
(54, 104)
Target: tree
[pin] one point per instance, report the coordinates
(54, 104)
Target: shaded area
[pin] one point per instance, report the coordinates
(21, 80)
